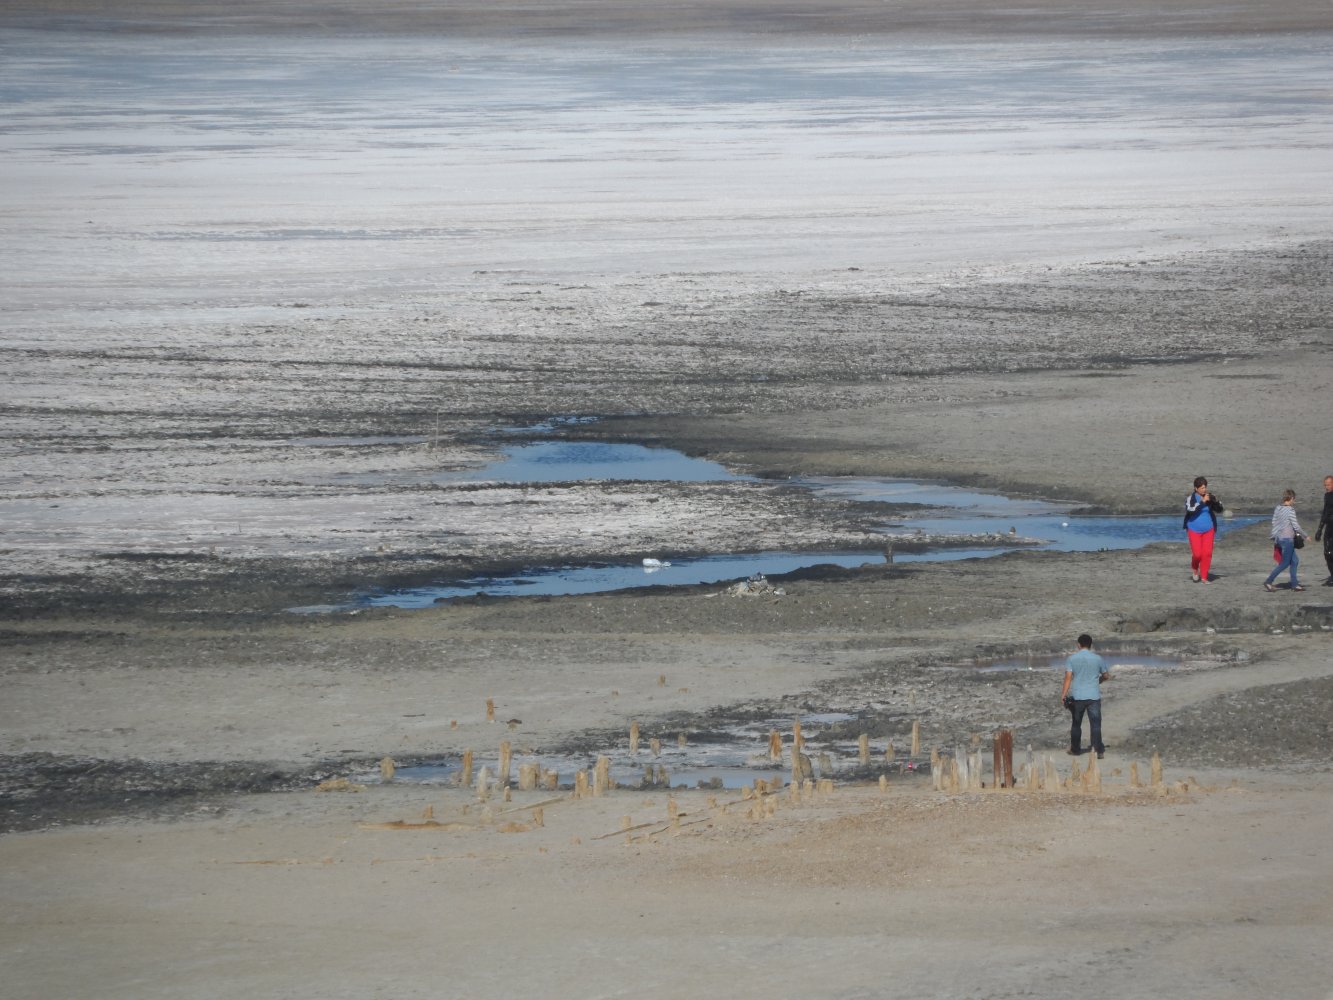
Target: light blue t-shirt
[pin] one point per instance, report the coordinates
(1087, 667)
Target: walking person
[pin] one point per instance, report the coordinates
(1325, 529)
(1286, 535)
(1201, 510)
(1082, 695)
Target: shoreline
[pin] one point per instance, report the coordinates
(603, 19)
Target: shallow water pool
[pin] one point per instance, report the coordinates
(944, 511)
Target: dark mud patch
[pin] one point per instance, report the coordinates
(38, 791)
(1285, 725)
(1273, 615)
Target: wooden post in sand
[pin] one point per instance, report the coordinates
(633, 737)
(527, 777)
(1007, 758)
(1092, 780)
(465, 776)
(506, 763)
(1134, 774)
(387, 769)
(580, 784)
(916, 738)
(774, 745)
(889, 754)
(797, 742)
(483, 785)
(1156, 770)
(863, 749)
(655, 745)
(601, 776)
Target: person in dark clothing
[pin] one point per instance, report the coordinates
(1325, 529)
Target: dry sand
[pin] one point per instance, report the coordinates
(216, 415)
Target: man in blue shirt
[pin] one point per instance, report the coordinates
(1082, 695)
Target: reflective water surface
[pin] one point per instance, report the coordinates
(945, 510)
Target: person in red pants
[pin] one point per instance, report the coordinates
(1201, 510)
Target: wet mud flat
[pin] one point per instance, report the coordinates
(341, 470)
(858, 652)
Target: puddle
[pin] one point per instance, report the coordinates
(578, 461)
(569, 580)
(1116, 661)
(944, 511)
(731, 758)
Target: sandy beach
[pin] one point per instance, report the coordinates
(279, 278)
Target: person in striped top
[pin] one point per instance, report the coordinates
(1286, 529)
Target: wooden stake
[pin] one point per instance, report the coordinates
(1156, 770)
(655, 745)
(483, 785)
(465, 776)
(601, 776)
(1134, 774)
(863, 747)
(506, 761)
(797, 742)
(883, 782)
(916, 738)
(387, 769)
(580, 784)
(889, 754)
(801, 768)
(774, 745)
(527, 777)
(1007, 757)
(633, 737)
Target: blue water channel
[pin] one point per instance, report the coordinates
(945, 510)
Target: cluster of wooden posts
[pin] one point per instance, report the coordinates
(961, 771)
